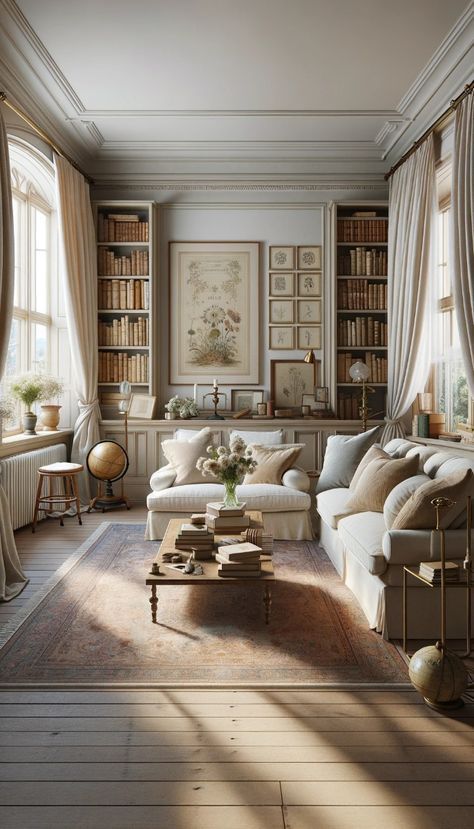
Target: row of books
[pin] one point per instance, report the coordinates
(362, 229)
(117, 366)
(121, 227)
(348, 406)
(377, 365)
(428, 425)
(362, 262)
(359, 294)
(124, 331)
(110, 263)
(123, 294)
(362, 331)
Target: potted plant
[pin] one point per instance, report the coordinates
(30, 388)
(182, 407)
(52, 388)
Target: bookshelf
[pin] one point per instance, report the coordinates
(361, 304)
(125, 258)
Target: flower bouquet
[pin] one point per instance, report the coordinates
(182, 406)
(228, 466)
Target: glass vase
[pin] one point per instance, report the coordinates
(230, 495)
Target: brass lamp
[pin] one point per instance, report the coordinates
(309, 357)
(359, 373)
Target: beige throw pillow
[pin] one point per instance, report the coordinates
(372, 454)
(377, 480)
(272, 461)
(183, 455)
(420, 514)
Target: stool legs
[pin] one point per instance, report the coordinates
(37, 501)
(75, 490)
(50, 501)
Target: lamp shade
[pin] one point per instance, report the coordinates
(309, 357)
(359, 371)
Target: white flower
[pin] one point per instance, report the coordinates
(221, 450)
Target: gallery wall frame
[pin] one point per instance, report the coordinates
(246, 399)
(291, 379)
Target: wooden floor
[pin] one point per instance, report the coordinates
(133, 758)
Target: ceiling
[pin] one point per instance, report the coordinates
(353, 80)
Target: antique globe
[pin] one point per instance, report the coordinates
(107, 462)
(440, 676)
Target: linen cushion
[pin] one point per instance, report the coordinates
(377, 480)
(272, 462)
(398, 447)
(397, 498)
(332, 505)
(362, 534)
(434, 463)
(424, 452)
(261, 438)
(419, 513)
(193, 498)
(187, 434)
(371, 455)
(296, 478)
(343, 453)
(183, 454)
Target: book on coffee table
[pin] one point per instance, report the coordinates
(239, 552)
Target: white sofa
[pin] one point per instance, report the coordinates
(370, 558)
(285, 508)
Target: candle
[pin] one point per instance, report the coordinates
(195, 392)
(214, 383)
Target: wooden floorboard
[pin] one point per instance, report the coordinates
(204, 758)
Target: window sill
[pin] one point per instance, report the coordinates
(15, 444)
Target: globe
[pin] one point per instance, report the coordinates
(107, 461)
(439, 675)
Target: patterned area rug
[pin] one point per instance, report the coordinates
(93, 624)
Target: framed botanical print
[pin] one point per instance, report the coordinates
(282, 284)
(143, 406)
(309, 257)
(282, 257)
(309, 311)
(282, 311)
(282, 336)
(290, 379)
(309, 284)
(246, 399)
(309, 336)
(214, 314)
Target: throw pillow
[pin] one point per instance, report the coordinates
(343, 453)
(371, 455)
(419, 513)
(272, 438)
(183, 454)
(272, 461)
(398, 497)
(377, 480)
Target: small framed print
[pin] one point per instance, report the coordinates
(290, 379)
(282, 336)
(309, 257)
(309, 336)
(308, 400)
(309, 284)
(282, 284)
(246, 399)
(321, 394)
(142, 406)
(309, 311)
(282, 311)
(282, 257)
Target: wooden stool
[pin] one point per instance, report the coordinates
(68, 472)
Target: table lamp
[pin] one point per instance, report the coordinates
(359, 373)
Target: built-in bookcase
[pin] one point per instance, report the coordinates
(361, 305)
(125, 258)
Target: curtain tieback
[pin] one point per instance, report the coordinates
(391, 422)
(86, 408)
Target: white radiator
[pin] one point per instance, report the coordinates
(19, 479)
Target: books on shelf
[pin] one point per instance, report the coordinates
(113, 263)
(360, 294)
(362, 228)
(121, 227)
(431, 570)
(117, 366)
(123, 294)
(124, 331)
(377, 365)
(362, 331)
(362, 262)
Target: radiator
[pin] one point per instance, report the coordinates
(19, 479)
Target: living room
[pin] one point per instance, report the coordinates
(236, 349)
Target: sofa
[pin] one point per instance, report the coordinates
(285, 506)
(369, 557)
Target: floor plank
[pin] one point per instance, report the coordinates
(388, 817)
(378, 793)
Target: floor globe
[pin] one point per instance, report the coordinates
(107, 461)
(439, 675)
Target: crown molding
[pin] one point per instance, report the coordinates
(233, 113)
(260, 187)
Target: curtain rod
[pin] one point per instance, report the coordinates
(43, 135)
(451, 108)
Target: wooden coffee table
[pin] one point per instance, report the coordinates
(210, 574)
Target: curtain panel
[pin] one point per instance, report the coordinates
(12, 577)
(411, 209)
(79, 272)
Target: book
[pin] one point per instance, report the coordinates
(248, 563)
(217, 508)
(228, 525)
(192, 529)
(432, 570)
(241, 574)
(239, 552)
(423, 425)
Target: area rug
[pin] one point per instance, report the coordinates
(92, 623)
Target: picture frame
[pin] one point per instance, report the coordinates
(308, 400)
(281, 284)
(246, 399)
(290, 379)
(282, 311)
(281, 257)
(142, 406)
(309, 336)
(214, 312)
(308, 311)
(309, 257)
(281, 337)
(309, 283)
(321, 394)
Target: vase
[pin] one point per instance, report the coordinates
(230, 496)
(50, 417)
(29, 422)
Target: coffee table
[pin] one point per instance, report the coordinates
(210, 574)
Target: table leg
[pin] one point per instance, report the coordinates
(267, 601)
(154, 603)
(405, 611)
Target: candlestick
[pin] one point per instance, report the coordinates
(215, 399)
(214, 382)
(195, 392)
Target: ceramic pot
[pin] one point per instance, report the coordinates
(29, 422)
(50, 417)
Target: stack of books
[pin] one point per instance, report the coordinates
(239, 560)
(431, 570)
(201, 539)
(223, 519)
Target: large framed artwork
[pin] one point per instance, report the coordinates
(214, 313)
(290, 380)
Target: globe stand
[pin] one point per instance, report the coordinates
(109, 500)
(107, 462)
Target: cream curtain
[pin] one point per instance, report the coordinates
(78, 266)
(462, 231)
(411, 207)
(12, 578)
